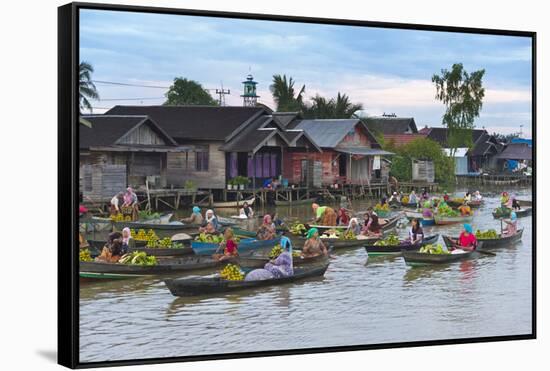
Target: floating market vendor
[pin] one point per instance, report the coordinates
(126, 240)
(515, 204)
(279, 267)
(478, 196)
(467, 241)
(210, 218)
(313, 246)
(416, 234)
(116, 203)
(366, 223)
(425, 195)
(112, 251)
(267, 229)
(464, 209)
(131, 201)
(246, 210)
(342, 218)
(324, 215)
(195, 217)
(467, 197)
(394, 199)
(412, 197)
(354, 227)
(277, 222)
(511, 225)
(446, 196)
(228, 246)
(504, 199)
(374, 229)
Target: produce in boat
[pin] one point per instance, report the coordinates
(431, 249)
(138, 258)
(231, 272)
(209, 238)
(275, 251)
(85, 256)
(487, 235)
(446, 210)
(380, 207)
(165, 243)
(405, 199)
(391, 240)
(349, 235)
(142, 236)
(148, 215)
(297, 229)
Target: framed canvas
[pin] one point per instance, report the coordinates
(242, 185)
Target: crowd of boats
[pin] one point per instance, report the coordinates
(282, 251)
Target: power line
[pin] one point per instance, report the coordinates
(117, 99)
(134, 85)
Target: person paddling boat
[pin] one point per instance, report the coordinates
(467, 241)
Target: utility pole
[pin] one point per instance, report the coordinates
(221, 93)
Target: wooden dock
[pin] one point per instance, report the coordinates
(494, 179)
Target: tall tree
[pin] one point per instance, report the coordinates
(334, 108)
(462, 94)
(188, 92)
(286, 98)
(86, 87)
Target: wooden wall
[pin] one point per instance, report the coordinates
(142, 135)
(292, 165)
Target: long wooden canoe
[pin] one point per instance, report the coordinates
(418, 258)
(216, 285)
(526, 211)
(391, 223)
(157, 251)
(444, 220)
(525, 203)
(491, 243)
(374, 250)
(247, 245)
(474, 204)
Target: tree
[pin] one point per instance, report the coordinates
(505, 138)
(86, 87)
(334, 108)
(284, 95)
(462, 94)
(188, 92)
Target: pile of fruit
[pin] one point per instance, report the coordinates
(502, 211)
(446, 210)
(491, 234)
(231, 272)
(209, 238)
(349, 235)
(165, 243)
(331, 233)
(431, 249)
(391, 240)
(298, 229)
(275, 251)
(138, 258)
(405, 200)
(380, 207)
(142, 236)
(85, 255)
(296, 253)
(116, 217)
(147, 215)
(458, 200)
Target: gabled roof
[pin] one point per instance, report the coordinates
(195, 122)
(402, 139)
(391, 125)
(516, 151)
(284, 118)
(439, 135)
(327, 133)
(107, 130)
(485, 145)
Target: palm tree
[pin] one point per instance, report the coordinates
(86, 87)
(284, 95)
(343, 108)
(333, 108)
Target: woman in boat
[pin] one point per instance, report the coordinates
(229, 246)
(277, 222)
(112, 251)
(116, 203)
(324, 215)
(374, 229)
(427, 210)
(467, 241)
(511, 225)
(425, 195)
(416, 234)
(412, 197)
(313, 246)
(367, 220)
(467, 197)
(195, 217)
(504, 199)
(210, 218)
(354, 227)
(394, 199)
(246, 210)
(267, 229)
(126, 240)
(515, 204)
(342, 218)
(279, 267)
(446, 196)
(477, 196)
(464, 209)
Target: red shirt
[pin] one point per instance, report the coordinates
(231, 247)
(469, 240)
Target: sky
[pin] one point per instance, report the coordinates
(387, 70)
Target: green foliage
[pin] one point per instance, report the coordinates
(86, 88)
(462, 94)
(421, 148)
(188, 92)
(189, 184)
(285, 97)
(333, 108)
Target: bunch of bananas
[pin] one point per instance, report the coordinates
(431, 249)
(275, 251)
(85, 256)
(142, 236)
(380, 207)
(349, 235)
(446, 210)
(138, 258)
(116, 217)
(297, 229)
(391, 240)
(209, 238)
(231, 272)
(405, 199)
(491, 234)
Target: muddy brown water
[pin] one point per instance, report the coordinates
(358, 301)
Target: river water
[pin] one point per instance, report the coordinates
(358, 301)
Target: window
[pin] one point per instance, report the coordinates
(201, 161)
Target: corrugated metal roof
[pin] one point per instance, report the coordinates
(364, 151)
(329, 132)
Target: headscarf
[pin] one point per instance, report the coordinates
(267, 219)
(351, 222)
(311, 232)
(126, 239)
(196, 210)
(513, 216)
(314, 206)
(209, 218)
(468, 228)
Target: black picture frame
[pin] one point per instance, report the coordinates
(68, 111)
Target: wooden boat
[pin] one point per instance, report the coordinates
(164, 266)
(474, 204)
(427, 221)
(391, 223)
(525, 203)
(444, 220)
(247, 245)
(373, 250)
(409, 205)
(178, 251)
(413, 215)
(418, 258)
(295, 202)
(230, 204)
(526, 211)
(492, 242)
(243, 232)
(94, 276)
(216, 285)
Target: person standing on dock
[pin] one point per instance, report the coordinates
(324, 215)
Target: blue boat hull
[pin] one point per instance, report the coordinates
(247, 245)
(425, 222)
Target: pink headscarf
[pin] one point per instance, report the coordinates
(267, 219)
(126, 239)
